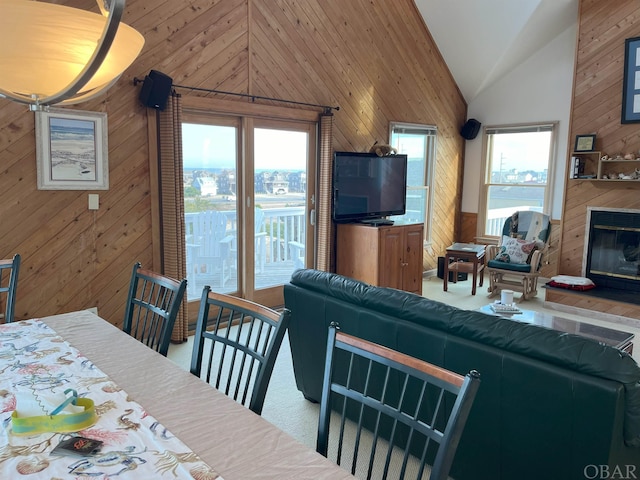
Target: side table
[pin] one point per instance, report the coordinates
(464, 257)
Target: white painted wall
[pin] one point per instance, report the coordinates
(538, 90)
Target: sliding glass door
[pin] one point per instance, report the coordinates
(210, 155)
(248, 204)
(281, 197)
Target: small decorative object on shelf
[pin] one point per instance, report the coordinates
(619, 167)
(635, 175)
(577, 167)
(584, 165)
(585, 143)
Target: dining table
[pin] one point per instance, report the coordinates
(158, 418)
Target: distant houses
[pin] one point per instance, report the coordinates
(275, 183)
(224, 182)
(207, 186)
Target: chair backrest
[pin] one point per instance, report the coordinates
(152, 307)
(239, 351)
(209, 230)
(528, 225)
(393, 413)
(9, 269)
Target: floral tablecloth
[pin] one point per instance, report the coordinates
(35, 360)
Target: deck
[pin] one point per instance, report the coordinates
(274, 274)
(212, 248)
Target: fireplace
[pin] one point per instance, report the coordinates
(612, 249)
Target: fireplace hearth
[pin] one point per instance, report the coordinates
(612, 251)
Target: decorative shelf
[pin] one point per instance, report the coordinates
(637, 160)
(590, 167)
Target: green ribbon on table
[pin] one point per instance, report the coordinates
(65, 423)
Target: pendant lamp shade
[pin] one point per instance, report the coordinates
(54, 54)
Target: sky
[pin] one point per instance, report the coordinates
(209, 146)
(522, 151)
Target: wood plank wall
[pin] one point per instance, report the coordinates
(597, 99)
(375, 59)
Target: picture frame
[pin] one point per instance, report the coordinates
(71, 150)
(631, 81)
(585, 143)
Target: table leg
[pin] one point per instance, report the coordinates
(483, 265)
(475, 276)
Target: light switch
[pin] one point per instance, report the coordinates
(94, 201)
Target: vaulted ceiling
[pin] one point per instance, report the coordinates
(482, 40)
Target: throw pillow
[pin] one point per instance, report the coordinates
(571, 283)
(580, 288)
(515, 250)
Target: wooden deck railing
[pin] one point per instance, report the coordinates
(280, 240)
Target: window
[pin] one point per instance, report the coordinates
(517, 165)
(418, 142)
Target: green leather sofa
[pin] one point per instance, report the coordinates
(550, 405)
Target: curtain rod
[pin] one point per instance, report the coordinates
(253, 98)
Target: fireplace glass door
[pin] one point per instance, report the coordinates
(614, 250)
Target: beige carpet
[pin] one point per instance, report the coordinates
(288, 410)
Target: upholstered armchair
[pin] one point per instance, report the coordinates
(515, 262)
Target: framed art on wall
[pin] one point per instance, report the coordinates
(71, 150)
(585, 143)
(631, 81)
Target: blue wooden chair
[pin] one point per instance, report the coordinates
(9, 269)
(260, 235)
(209, 248)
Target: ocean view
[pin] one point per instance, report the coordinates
(73, 150)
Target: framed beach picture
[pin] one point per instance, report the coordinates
(71, 150)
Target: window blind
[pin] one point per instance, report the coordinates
(519, 129)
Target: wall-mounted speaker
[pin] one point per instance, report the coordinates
(155, 90)
(470, 129)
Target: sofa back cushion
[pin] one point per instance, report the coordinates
(564, 350)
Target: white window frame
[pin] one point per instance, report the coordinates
(430, 132)
(485, 177)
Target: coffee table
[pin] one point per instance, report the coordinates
(609, 336)
(464, 257)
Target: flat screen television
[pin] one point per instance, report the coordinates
(367, 187)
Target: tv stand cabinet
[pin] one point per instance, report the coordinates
(385, 256)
